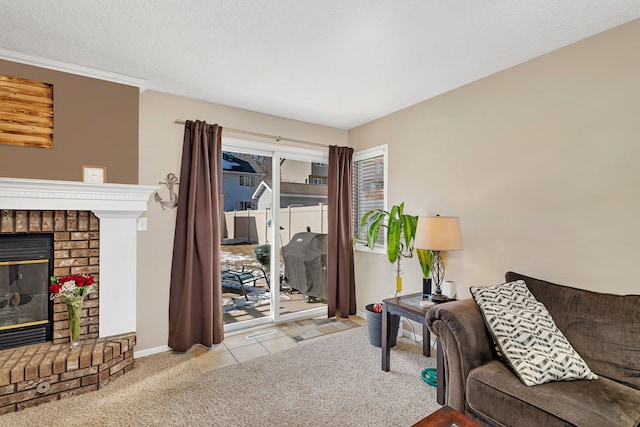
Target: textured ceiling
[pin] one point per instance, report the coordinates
(340, 63)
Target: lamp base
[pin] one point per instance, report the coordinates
(426, 288)
(438, 298)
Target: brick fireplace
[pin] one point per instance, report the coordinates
(94, 228)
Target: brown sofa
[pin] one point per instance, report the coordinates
(603, 328)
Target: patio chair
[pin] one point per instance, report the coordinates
(236, 280)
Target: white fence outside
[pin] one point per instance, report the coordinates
(254, 226)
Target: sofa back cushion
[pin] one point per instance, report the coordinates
(603, 328)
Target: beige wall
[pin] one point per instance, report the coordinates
(160, 151)
(540, 162)
(95, 122)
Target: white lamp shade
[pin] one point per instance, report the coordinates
(438, 233)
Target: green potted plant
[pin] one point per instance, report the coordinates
(401, 231)
(400, 235)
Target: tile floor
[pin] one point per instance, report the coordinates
(245, 346)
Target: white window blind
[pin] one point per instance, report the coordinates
(369, 189)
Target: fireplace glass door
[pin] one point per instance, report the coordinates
(26, 262)
(24, 297)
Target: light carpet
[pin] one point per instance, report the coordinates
(334, 380)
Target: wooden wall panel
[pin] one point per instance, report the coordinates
(26, 112)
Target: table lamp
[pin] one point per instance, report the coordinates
(438, 233)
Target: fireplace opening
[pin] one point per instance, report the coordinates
(26, 263)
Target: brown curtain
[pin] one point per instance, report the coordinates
(341, 286)
(195, 301)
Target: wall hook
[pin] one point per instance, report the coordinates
(170, 182)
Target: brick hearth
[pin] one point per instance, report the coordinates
(40, 373)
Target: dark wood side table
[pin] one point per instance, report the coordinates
(446, 417)
(406, 306)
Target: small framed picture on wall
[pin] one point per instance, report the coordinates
(94, 174)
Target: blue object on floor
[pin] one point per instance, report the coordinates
(429, 376)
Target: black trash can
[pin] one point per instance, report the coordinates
(374, 325)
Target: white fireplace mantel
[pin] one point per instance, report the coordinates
(16, 193)
(118, 207)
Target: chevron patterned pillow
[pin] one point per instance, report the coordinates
(527, 337)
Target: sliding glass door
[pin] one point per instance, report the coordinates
(275, 222)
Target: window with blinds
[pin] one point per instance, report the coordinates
(369, 189)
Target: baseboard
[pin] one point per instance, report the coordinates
(412, 332)
(414, 335)
(150, 351)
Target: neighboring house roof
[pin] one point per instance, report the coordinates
(297, 188)
(237, 163)
(262, 187)
(292, 189)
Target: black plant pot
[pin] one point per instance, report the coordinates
(374, 323)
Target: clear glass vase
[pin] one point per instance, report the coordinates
(74, 308)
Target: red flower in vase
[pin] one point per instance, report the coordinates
(71, 286)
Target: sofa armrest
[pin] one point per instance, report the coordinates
(465, 342)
